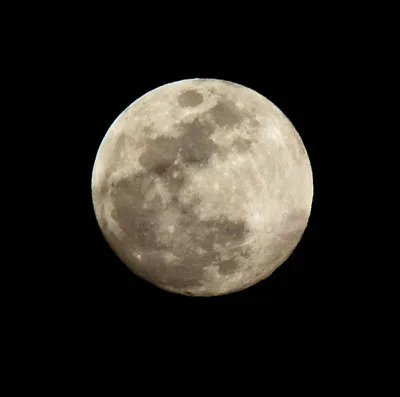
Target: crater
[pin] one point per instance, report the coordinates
(190, 98)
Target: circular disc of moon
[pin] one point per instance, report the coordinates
(202, 187)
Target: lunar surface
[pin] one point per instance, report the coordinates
(202, 187)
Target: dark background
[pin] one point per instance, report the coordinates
(75, 303)
(98, 301)
(305, 287)
(86, 304)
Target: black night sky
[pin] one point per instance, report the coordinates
(102, 300)
(79, 315)
(302, 285)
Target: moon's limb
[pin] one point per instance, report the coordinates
(202, 187)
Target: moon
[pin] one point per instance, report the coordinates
(202, 187)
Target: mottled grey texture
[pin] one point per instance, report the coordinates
(202, 187)
(226, 114)
(190, 98)
(138, 222)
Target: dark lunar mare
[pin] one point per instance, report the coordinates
(194, 241)
(139, 226)
(139, 223)
(225, 113)
(190, 98)
(160, 154)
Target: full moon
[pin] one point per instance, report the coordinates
(202, 187)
